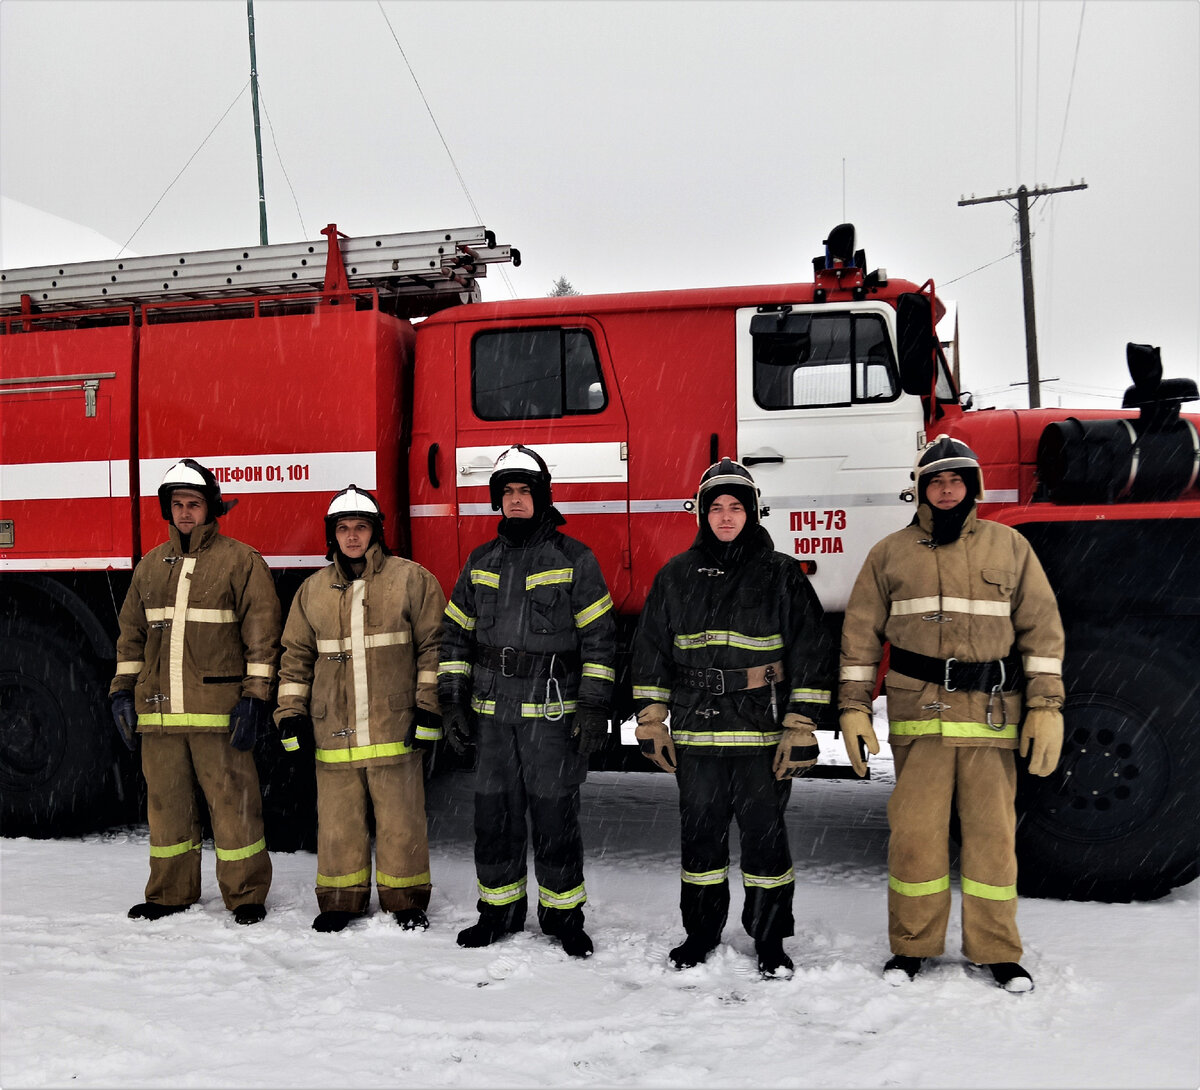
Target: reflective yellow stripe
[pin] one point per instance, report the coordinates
(480, 577)
(454, 666)
(704, 878)
(502, 895)
(721, 638)
(362, 753)
(973, 607)
(169, 851)
(547, 578)
(134, 668)
(812, 696)
(459, 617)
(1036, 664)
(392, 882)
(341, 881)
(294, 688)
(919, 889)
(919, 728)
(651, 692)
(762, 881)
(988, 893)
(290, 744)
(483, 707)
(233, 854)
(571, 899)
(538, 711)
(597, 609)
(594, 669)
(182, 719)
(725, 738)
(858, 673)
(259, 669)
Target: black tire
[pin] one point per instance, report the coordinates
(1117, 820)
(58, 770)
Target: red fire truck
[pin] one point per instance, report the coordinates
(293, 370)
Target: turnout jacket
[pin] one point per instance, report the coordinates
(199, 630)
(754, 608)
(544, 597)
(359, 654)
(976, 600)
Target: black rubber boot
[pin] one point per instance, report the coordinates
(1010, 976)
(411, 919)
(773, 963)
(692, 951)
(334, 920)
(486, 932)
(248, 914)
(148, 910)
(900, 969)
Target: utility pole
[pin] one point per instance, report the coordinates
(262, 196)
(1023, 196)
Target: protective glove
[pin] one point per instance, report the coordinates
(654, 738)
(458, 724)
(424, 730)
(295, 732)
(797, 750)
(857, 732)
(1041, 739)
(590, 729)
(125, 717)
(248, 722)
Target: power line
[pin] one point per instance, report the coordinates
(275, 144)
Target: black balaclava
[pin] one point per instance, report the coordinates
(947, 525)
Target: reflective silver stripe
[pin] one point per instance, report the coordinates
(858, 673)
(589, 613)
(204, 616)
(761, 881)
(704, 878)
(358, 662)
(426, 677)
(260, 669)
(455, 666)
(459, 617)
(973, 607)
(651, 692)
(549, 578)
(481, 577)
(1037, 664)
(178, 631)
(346, 643)
(594, 669)
(726, 738)
(294, 688)
(129, 668)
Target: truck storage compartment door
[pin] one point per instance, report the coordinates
(547, 384)
(64, 486)
(827, 433)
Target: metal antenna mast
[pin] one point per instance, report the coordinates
(262, 196)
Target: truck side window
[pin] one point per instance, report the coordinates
(524, 374)
(809, 360)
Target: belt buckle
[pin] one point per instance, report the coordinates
(946, 680)
(505, 670)
(717, 686)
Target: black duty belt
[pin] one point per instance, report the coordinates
(709, 679)
(1003, 675)
(511, 662)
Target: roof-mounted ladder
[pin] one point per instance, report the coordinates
(434, 268)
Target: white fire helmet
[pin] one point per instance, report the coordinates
(352, 502)
(191, 475)
(947, 453)
(519, 463)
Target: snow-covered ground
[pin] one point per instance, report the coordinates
(92, 999)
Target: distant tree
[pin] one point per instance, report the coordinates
(562, 286)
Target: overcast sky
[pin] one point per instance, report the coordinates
(638, 145)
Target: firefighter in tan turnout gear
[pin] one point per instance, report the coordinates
(358, 684)
(733, 644)
(972, 622)
(196, 661)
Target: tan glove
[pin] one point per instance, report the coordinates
(654, 738)
(797, 750)
(856, 733)
(1041, 739)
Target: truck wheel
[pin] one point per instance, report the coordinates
(1117, 820)
(57, 768)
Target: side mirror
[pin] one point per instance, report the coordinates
(915, 342)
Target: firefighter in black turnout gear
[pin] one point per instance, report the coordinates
(526, 674)
(732, 642)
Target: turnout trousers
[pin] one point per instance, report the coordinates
(981, 782)
(396, 794)
(713, 790)
(528, 765)
(174, 766)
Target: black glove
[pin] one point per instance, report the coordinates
(424, 730)
(248, 722)
(459, 725)
(296, 733)
(125, 717)
(590, 729)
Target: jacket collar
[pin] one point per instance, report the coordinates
(375, 559)
(199, 539)
(924, 519)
